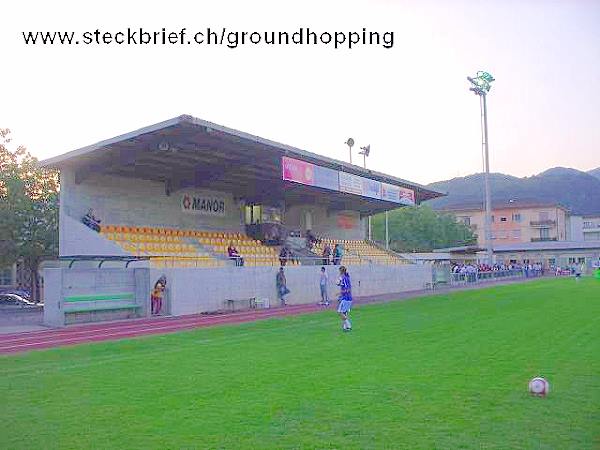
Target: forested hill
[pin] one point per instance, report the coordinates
(579, 191)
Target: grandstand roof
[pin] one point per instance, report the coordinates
(189, 152)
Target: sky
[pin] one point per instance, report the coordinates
(411, 103)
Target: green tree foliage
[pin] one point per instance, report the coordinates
(421, 229)
(28, 210)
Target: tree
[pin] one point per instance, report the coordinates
(421, 229)
(28, 210)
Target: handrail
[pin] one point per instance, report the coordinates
(102, 259)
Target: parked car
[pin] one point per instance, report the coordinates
(14, 301)
(20, 292)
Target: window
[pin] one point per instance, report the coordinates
(544, 233)
(516, 234)
(580, 260)
(503, 219)
(5, 277)
(516, 217)
(493, 218)
(466, 220)
(595, 236)
(588, 224)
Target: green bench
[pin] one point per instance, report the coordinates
(100, 302)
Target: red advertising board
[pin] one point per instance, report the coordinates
(298, 171)
(346, 221)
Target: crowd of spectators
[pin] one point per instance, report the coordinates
(471, 271)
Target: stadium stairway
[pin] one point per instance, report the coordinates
(357, 252)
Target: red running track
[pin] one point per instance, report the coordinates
(79, 334)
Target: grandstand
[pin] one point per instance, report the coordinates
(170, 247)
(177, 193)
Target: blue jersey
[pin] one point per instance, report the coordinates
(345, 288)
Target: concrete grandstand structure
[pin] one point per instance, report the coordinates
(170, 198)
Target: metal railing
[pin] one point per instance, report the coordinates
(542, 223)
(478, 277)
(173, 261)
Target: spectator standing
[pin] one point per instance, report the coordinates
(323, 281)
(157, 294)
(337, 254)
(326, 254)
(281, 284)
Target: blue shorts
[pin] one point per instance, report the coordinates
(344, 307)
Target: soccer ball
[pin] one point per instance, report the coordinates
(539, 386)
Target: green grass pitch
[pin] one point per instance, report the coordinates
(440, 372)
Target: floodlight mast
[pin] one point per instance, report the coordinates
(365, 152)
(350, 144)
(481, 85)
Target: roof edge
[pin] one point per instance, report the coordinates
(57, 161)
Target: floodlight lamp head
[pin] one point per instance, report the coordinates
(350, 142)
(163, 146)
(366, 150)
(482, 83)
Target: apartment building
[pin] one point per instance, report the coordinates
(516, 222)
(584, 228)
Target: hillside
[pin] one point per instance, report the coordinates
(595, 172)
(578, 191)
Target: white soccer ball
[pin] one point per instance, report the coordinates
(539, 386)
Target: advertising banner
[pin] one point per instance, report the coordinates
(347, 221)
(351, 183)
(390, 193)
(407, 196)
(207, 205)
(312, 175)
(326, 178)
(297, 171)
(397, 194)
(371, 188)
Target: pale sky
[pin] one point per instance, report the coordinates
(411, 103)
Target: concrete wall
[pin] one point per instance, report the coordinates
(77, 239)
(128, 201)
(64, 282)
(327, 223)
(191, 291)
(203, 290)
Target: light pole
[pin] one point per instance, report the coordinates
(350, 144)
(387, 236)
(481, 85)
(365, 152)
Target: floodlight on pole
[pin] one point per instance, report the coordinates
(350, 144)
(365, 152)
(481, 85)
